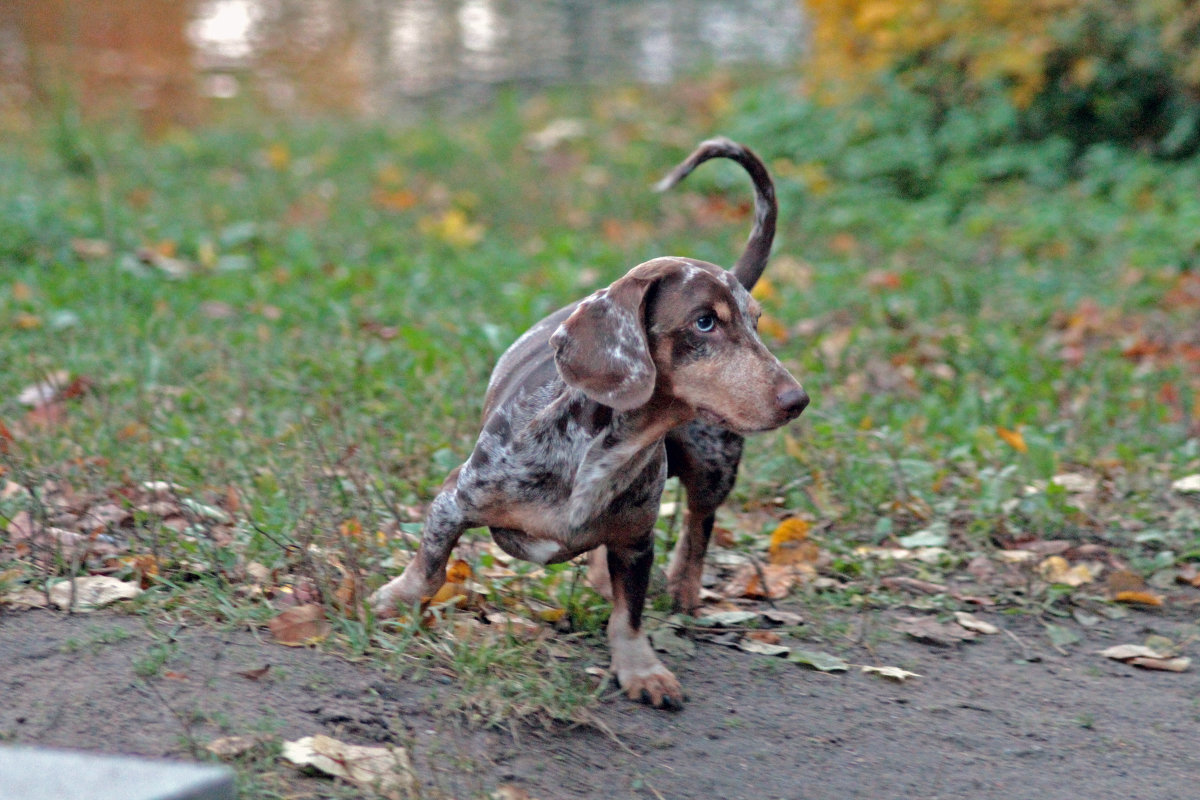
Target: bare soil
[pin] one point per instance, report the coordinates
(1007, 716)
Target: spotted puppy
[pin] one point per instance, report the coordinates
(573, 451)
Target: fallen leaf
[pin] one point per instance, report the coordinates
(91, 248)
(386, 770)
(1162, 664)
(92, 592)
(1015, 556)
(973, 623)
(1138, 598)
(1061, 636)
(930, 630)
(726, 619)
(514, 625)
(904, 583)
(766, 637)
(1075, 483)
(1057, 569)
(818, 660)
(458, 571)
(666, 639)
(254, 674)
(763, 648)
(1013, 439)
(46, 390)
(1124, 652)
(1189, 484)
(895, 673)
(778, 617)
(300, 626)
(779, 579)
(927, 537)
(228, 748)
(790, 544)
(509, 792)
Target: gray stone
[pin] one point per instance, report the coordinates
(31, 773)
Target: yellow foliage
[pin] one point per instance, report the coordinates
(980, 41)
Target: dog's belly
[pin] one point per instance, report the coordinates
(519, 544)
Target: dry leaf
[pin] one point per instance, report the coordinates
(228, 748)
(1189, 484)
(778, 617)
(790, 543)
(928, 629)
(1124, 652)
(300, 626)
(1162, 664)
(766, 637)
(458, 571)
(45, 391)
(1014, 439)
(748, 580)
(762, 648)
(973, 623)
(895, 673)
(386, 770)
(512, 624)
(1056, 569)
(92, 592)
(1124, 581)
(254, 674)
(1139, 598)
(1074, 482)
(1146, 657)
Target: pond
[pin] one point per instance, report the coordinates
(175, 62)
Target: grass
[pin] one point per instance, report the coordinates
(343, 289)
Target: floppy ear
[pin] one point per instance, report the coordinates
(602, 350)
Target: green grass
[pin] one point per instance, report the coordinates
(351, 284)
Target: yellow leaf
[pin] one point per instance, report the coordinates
(1140, 598)
(1014, 439)
(790, 544)
(453, 228)
(21, 292)
(278, 156)
(459, 571)
(764, 290)
(772, 328)
(27, 322)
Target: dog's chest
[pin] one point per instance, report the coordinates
(555, 478)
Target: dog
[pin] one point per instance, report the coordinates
(588, 412)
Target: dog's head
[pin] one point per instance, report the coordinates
(682, 330)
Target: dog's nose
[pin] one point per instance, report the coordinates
(792, 400)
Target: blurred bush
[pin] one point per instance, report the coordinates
(1077, 71)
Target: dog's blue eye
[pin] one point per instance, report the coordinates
(706, 323)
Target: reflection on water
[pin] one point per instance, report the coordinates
(171, 59)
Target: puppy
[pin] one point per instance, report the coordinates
(572, 453)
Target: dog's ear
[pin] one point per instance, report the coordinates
(602, 350)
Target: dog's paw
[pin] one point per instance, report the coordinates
(399, 594)
(658, 687)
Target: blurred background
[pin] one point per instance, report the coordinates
(185, 62)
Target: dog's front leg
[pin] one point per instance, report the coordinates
(426, 573)
(637, 668)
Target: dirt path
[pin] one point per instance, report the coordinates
(1005, 717)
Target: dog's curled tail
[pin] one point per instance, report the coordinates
(750, 265)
